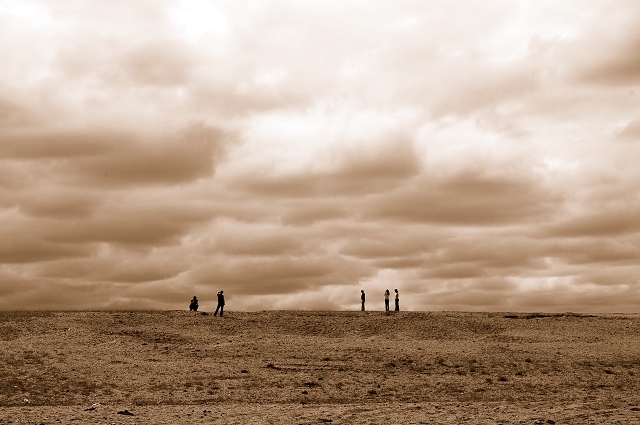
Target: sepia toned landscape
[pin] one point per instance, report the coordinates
(312, 367)
(476, 160)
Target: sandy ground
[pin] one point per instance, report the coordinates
(318, 367)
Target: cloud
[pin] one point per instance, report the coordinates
(279, 275)
(471, 197)
(618, 65)
(320, 210)
(346, 170)
(604, 222)
(477, 157)
(109, 266)
(17, 248)
(107, 158)
(14, 115)
(56, 202)
(607, 53)
(163, 64)
(630, 132)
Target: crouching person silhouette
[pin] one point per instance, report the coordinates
(193, 305)
(220, 303)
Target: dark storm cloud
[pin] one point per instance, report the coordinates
(56, 202)
(619, 278)
(19, 247)
(254, 241)
(590, 299)
(15, 115)
(43, 145)
(352, 171)
(608, 54)
(630, 132)
(38, 294)
(467, 295)
(473, 197)
(177, 160)
(131, 268)
(619, 63)
(106, 158)
(379, 243)
(279, 275)
(321, 210)
(503, 251)
(136, 229)
(604, 222)
(605, 251)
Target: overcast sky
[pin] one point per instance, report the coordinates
(476, 155)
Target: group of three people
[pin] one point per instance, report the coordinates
(386, 300)
(193, 306)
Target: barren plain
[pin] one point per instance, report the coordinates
(301, 367)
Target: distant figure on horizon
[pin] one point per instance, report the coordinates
(193, 305)
(386, 300)
(362, 298)
(220, 304)
(397, 300)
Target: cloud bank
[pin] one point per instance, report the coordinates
(474, 156)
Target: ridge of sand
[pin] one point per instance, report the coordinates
(310, 367)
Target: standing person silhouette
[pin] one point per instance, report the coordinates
(220, 304)
(397, 300)
(362, 298)
(386, 300)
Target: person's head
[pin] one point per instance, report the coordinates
(386, 292)
(395, 290)
(221, 292)
(194, 297)
(362, 290)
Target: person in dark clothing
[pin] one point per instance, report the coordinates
(397, 301)
(362, 298)
(386, 300)
(193, 305)
(220, 304)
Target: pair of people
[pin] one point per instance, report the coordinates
(386, 299)
(193, 305)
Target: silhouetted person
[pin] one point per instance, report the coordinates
(362, 298)
(397, 300)
(220, 304)
(193, 305)
(386, 300)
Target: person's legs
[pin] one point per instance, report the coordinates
(221, 310)
(362, 305)
(216, 313)
(397, 305)
(386, 305)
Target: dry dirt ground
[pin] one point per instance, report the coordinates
(166, 367)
